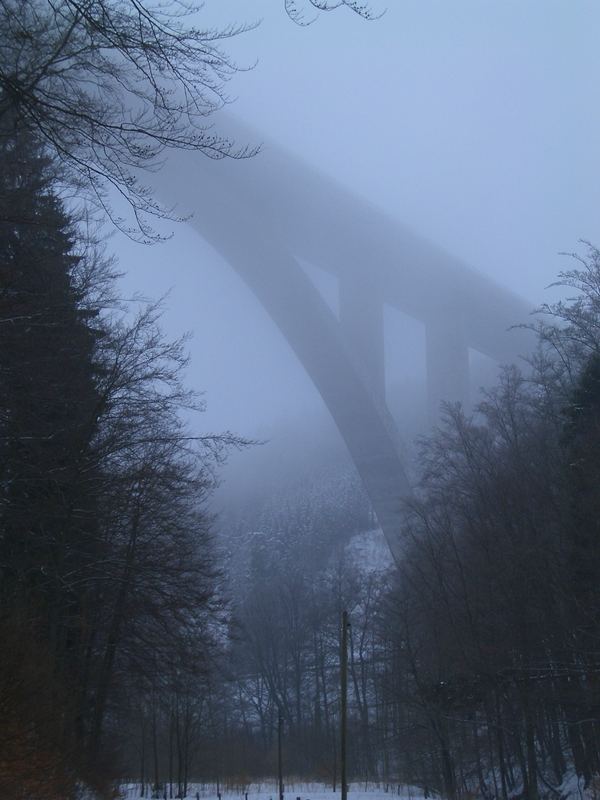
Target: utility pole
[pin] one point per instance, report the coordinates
(344, 703)
(279, 756)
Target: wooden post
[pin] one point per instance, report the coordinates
(143, 761)
(334, 764)
(279, 755)
(344, 703)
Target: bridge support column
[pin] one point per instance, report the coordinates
(447, 364)
(361, 322)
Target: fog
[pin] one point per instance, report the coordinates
(299, 486)
(472, 123)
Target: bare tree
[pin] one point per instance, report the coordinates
(296, 9)
(109, 85)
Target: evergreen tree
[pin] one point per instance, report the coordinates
(47, 398)
(107, 588)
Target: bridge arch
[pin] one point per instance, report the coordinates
(266, 214)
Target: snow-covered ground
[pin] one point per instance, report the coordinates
(572, 788)
(293, 791)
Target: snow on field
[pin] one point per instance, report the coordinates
(293, 791)
(572, 788)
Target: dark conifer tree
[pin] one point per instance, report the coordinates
(107, 588)
(47, 400)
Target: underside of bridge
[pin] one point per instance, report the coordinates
(266, 214)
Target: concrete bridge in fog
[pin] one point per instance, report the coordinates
(267, 214)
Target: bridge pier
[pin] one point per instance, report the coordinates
(447, 364)
(361, 323)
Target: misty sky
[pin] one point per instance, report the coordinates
(474, 121)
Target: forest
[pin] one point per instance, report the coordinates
(145, 641)
(128, 652)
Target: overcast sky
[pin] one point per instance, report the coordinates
(474, 121)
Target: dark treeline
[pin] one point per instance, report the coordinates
(108, 591)
(474, 666)
(496, 609)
